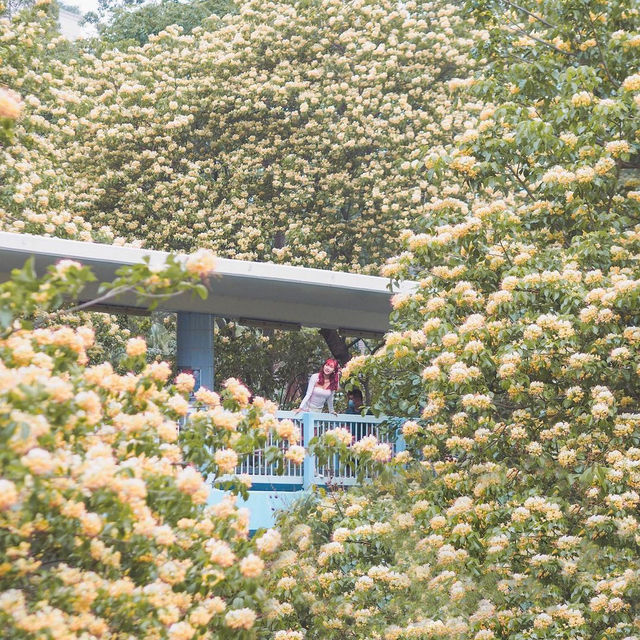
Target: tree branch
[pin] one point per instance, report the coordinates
(529, 13)
(541, 41)
(614, 82)
(107, 296)
(522, 183)
(506, 253)
(337, 345)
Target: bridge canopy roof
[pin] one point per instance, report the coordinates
(252, 292)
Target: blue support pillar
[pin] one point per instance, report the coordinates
(400, 444)
(195, 345)
(309, 465)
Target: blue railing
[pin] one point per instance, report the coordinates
(310, 472)
(271, 492)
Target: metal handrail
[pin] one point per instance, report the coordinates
(310, 472)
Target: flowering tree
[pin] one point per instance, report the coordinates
(296, 140)
(291, 132)
(104, 530)
(38, 65)
(517, 355)
(149, 146)
(125, 23)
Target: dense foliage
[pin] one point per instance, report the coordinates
(274, 363)
(104, 528)
(122, 24)
(313, 133)
(288, 131)
(34, 187)
(517, 514)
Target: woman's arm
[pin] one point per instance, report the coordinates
(310, 387)
(330, 402)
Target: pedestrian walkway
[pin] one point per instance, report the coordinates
(271, 492)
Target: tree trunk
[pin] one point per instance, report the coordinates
(337, 345)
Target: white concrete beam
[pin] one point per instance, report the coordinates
(239, 289)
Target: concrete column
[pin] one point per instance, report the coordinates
(195, 345)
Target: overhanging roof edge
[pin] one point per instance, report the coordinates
(123, 255)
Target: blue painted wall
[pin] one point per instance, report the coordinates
(263, 505)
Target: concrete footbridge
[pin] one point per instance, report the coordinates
(258, 293)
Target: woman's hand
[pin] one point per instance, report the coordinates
(297, 411)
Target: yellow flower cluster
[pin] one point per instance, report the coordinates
(104, 520)
(516, 360)
(10, 104)
(312, 116)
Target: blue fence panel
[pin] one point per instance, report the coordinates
(264, 474)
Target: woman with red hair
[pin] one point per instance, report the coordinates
(322, 388)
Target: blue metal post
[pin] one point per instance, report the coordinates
(309, 468)
(195, 345)
(401, 445)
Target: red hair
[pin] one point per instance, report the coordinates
(334, 378)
